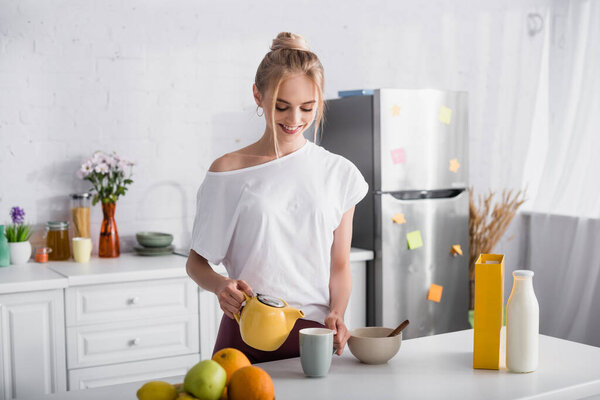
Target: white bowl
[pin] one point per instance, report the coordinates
(372, 346)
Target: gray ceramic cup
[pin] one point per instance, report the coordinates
(316, 349)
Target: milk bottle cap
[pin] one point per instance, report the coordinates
(523, 273)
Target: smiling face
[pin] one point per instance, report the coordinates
(295, 107)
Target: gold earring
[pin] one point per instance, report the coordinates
(260, 115)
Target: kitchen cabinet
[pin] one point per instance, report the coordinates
(114, 325)
(169, 369)
(32, 344)
(130, 341)
(356, 312)
(120, 302)
(210, 319)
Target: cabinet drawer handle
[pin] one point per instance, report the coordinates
(134, 300)
(135, 342)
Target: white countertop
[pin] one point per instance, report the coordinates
(441, 366)
(361, 254)
(128, 267)
(29, 277)
(433, 367)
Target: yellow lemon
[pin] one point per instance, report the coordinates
(157, 390)
(186, 396)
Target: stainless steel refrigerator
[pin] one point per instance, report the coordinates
(412, 148)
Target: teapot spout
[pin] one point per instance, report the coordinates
(291, 315)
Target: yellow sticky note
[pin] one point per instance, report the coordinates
(414, 239)
(454, 165)
(445, 115)
(456, 249)
(395, 110)
(399, 219)
(435, 293)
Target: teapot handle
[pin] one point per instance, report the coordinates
(238, 315)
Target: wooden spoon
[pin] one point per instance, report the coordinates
(399, 329)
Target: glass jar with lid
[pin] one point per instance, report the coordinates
(80, 212)
(57, 238)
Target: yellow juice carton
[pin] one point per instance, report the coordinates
(489, 301)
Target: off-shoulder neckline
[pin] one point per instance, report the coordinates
(265, 164)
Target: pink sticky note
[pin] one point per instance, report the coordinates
(398, 156)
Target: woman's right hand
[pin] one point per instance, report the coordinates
(231, 296)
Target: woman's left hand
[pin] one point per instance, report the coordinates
(335, 322)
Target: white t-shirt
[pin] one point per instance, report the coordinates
(272, 224)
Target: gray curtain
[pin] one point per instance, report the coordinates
(564, 253)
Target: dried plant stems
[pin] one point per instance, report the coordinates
(488, 220)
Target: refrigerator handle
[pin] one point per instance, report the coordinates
(424, 194)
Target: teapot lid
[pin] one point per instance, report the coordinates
(270, 301)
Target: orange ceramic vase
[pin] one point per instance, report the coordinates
(109, 237)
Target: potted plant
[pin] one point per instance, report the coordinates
(18, 235)
(109, 175)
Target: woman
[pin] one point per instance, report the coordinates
(278, 213)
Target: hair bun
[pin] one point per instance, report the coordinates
(291, 41)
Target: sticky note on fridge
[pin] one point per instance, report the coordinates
(398, 156)
(435, 293)
(445, 115)
(414, 239)
(399, 219)
(456, 249)
(454, 165)
(395, 110)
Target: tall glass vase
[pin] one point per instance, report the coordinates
(109, 237)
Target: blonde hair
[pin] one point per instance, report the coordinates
(290, 55)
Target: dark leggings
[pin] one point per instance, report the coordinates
(229, 336)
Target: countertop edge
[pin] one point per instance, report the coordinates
(357, 254)
(34, 286)
(68, 273)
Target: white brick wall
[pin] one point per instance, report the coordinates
(168, 85)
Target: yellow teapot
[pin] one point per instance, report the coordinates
(266, 321)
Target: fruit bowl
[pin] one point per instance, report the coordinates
(372, 346)
(154, 239)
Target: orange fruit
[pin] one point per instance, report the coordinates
(251, 383)
(231, 360)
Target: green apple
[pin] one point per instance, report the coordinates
(205, 380)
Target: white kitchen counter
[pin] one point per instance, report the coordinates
(29, 277)
(433, 367)
(128, 267)
(360, 255)
(440, 366)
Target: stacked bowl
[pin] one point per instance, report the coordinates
(154, 243)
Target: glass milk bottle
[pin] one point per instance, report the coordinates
(522, 324)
